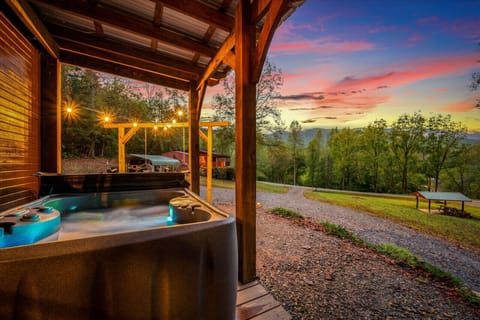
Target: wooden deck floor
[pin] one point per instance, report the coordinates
(254, 302)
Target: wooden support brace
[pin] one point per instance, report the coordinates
(129, 135)
(35, 25)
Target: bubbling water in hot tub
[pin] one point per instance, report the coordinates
(110, 220)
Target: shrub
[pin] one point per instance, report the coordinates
(287, 213)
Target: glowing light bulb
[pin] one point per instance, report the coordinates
(135, 124)
(69, 110)
(106, 119)
(174, 121)
(180, 113)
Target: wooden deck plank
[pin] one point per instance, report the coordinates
(277, 313)
(254, 302)
(256, 307)
(250, 293)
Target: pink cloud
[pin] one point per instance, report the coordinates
(428, 20)
(469, 29)
(441, 90)
(459, 106)
(415, 39)
(319, 46)
(415, 71)
(383, 29)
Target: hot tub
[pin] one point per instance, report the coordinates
(120, 253)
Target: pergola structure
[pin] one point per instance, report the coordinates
(181, 44)
(123, 138)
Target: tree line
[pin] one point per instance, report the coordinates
(412, 153)
(92, 95)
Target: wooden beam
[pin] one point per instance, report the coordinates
(34, 24)
(51, 115)
(226, 47)
(201, 12)
(128, 136)
(229, 60)
(133, 62)
(157, 16)
(209, 163)
(245, 133)
(193, 142)
(201, 96)
(121, 151)
(179, 68)
(121, 70)
(114, 17)
(259, 9)
(139, 125)
(273, 18)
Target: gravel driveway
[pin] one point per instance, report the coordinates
(460, 262)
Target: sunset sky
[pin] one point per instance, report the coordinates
(346, 63)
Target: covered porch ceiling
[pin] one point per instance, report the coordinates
(181, 44)
(166, 42)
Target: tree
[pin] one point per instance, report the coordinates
(375, 147)
(274, 159)
(344, 147)
(443, 138)
(405, 138)
(296, 144)
(475, 85)
(462, 170)
(313, 160)
(266, 109)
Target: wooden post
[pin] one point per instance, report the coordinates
(51, 125)
(193, 139)
(209, 163)
(245, 149)
(121, 150)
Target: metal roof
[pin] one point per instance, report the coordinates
(167, 42)
(156, 160)
(442, 196)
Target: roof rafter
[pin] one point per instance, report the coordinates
(178, 68)
(35, 25)
(201, 12)
(125, 21)
(121, 70)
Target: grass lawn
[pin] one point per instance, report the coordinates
(261, 186)
(460, 230)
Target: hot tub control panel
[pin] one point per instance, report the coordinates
(21, 226)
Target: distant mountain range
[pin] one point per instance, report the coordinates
(309, 134)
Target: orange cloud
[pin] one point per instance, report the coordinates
(459, 106)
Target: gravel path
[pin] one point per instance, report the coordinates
(460, 262)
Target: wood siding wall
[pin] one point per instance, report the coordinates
(19, 117)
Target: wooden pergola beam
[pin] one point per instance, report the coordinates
(35, 25)
(121, 70)
(119, 19)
